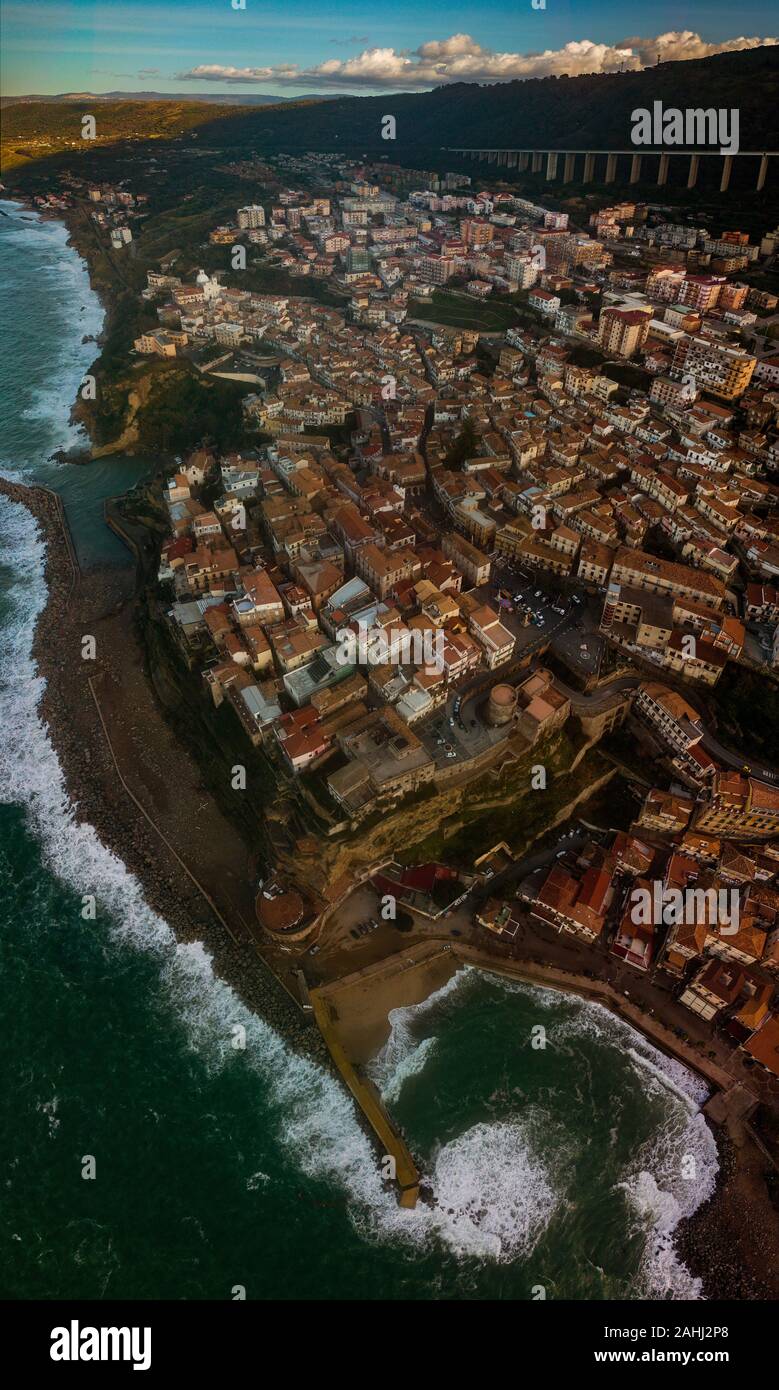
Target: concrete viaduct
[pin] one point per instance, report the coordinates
(562, 163)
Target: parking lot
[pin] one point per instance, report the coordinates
(532, 610)
(564, 618)
(458, 731)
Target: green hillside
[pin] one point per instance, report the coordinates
(548, 113)
(35, 130)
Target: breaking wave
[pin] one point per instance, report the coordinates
(403, 1055)
(491, 1199)
(495, 1185)
(674, 1172)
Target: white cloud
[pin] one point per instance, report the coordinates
(460, 58)
(681, 45)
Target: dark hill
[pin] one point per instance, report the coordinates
(551, 112)
(546, 113)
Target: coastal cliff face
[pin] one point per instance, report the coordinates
(112, 421)
(460, 822)
(127, 441)
(195, 871)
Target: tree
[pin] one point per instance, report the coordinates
(464, 446)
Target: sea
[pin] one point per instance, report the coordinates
(142, 1155)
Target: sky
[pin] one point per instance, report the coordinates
(292, 47)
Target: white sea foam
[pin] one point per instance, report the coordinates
(256, 1180)
(669, 1074)
(677, 1170)
(674, 1173)
(495, 1193)
(403, 1054)
(49, 1108)
(315, 1118)
(544, 998)
(52, 383)
(591, 1018)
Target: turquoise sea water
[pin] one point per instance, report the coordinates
(565, 1167)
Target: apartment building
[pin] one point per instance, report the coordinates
(261, 602)
(383, 570)
(676, 723)
(722, 370)
(496, 641)
(546, 302)
(717, 986)
(664, 283)
(740, 807)
(701, 292)
(666, 812)
(467, 558)
(385, 761)
(639, 569)
(475, 522)
(633, 614)
(595, 561)
(251, 216)
(522, 270)
(437, 269)
(623, 331)
(475, 232)
(572, 904)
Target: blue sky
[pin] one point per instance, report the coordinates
(352, 46)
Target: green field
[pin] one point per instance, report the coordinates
(460, 311)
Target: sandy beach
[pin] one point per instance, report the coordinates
(196, 871)
(731, 1243)
(361, 1003)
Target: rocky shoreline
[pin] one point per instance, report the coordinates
(707, 1242)
(76, 604)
